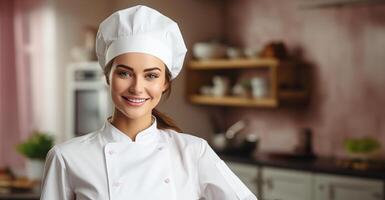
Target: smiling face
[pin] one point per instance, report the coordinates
(137, 81)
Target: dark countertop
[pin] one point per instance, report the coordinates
(20, 196)
(372, 170)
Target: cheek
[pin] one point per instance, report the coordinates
(118, 85)
(156, 89)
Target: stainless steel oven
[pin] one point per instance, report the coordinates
(88, 101)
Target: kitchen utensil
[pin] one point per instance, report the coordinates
(219, 141)
(221, 85)
(208, 50)
(251, 52)
(259, 87)
(233, 52)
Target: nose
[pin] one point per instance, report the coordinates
(136, 86)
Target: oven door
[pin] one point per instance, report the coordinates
(92, 107)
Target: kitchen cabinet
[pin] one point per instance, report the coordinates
(286, 81)
(332, 187)
(284, 184)
(248, 174)
(321, 178)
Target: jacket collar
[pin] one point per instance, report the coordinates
(113, 134)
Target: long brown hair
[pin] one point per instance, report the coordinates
(163, 121)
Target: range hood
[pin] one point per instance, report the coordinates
(335, 3)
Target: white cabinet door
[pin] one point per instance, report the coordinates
(331, 187)
(283, 184)
(248, 174)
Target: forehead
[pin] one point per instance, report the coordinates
(139, 61)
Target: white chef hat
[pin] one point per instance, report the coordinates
(144, 30)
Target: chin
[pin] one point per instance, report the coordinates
(132, 113)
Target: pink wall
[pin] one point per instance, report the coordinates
(16, 121)
(347, 47)
(9, 129)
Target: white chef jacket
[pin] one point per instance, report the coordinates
(158, 165)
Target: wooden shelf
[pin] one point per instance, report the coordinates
(233, 63)
(277, 73)
(233, 101)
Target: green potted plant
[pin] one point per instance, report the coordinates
(35, 149)
(361, 148)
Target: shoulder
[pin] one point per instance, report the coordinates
(183, 138)
(76, 144)
(79, 140)
(186, 141)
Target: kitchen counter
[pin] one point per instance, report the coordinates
(373, 170)
(20, 196)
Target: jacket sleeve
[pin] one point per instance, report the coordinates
(216, 180)
(55, 182)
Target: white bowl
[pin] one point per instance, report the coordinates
(202, 50)
(233, 53)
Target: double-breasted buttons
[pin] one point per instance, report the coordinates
(111, 152)
(167, 180)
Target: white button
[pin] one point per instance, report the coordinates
(111, 152)
(167, 180)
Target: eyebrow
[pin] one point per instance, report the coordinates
(131, 69)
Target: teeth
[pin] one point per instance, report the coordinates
(137, 100)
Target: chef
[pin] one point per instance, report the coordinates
(139, 153)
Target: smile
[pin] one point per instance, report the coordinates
(135, 101)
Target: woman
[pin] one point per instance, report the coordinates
(139, 154)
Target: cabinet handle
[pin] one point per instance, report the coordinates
(377, 195)
(269, 183)
(321, 187)
(331, 193)
(255, 180)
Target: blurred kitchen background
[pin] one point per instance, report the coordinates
(288, 92)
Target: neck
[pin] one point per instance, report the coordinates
(130, 127)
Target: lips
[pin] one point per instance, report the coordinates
(135, 101)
